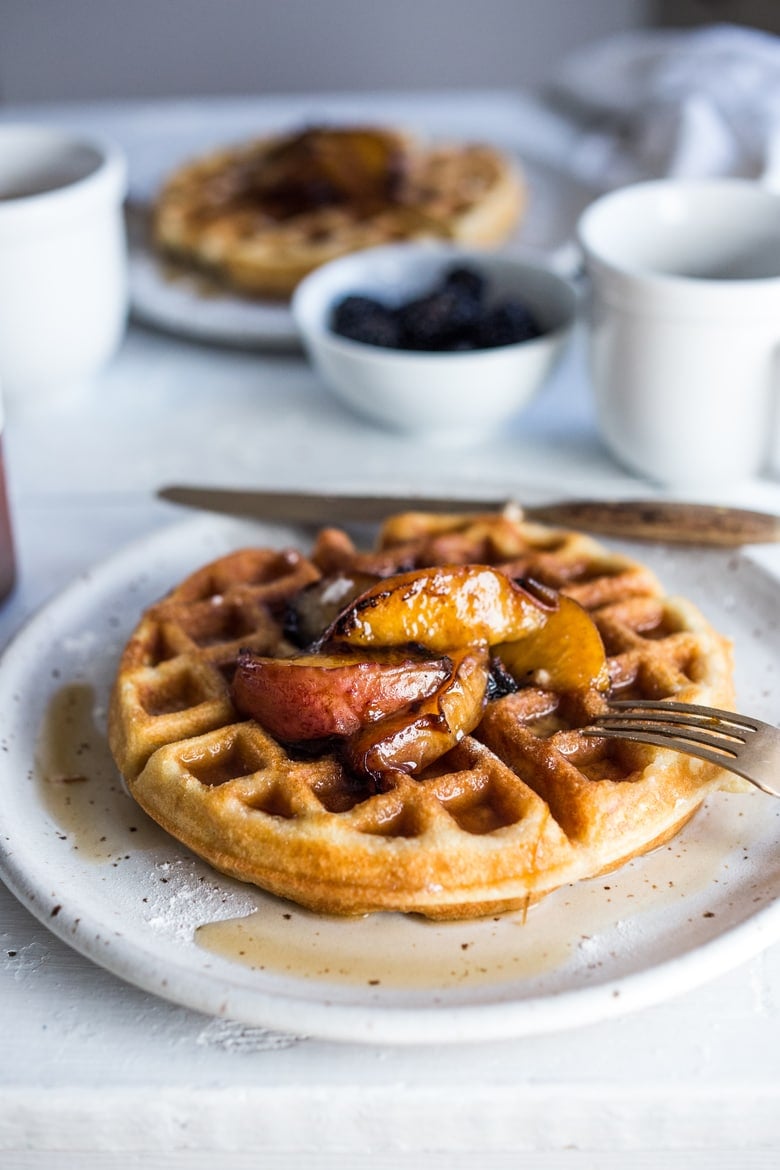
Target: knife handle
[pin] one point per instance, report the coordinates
(662, 520)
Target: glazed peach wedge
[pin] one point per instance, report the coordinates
(312, 696)
(404, 671)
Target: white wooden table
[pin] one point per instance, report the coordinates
(98, 1073)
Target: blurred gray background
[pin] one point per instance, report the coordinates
(53, 50)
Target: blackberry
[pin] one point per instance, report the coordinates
(452, 317)
(364, 319)
(500, 681)
(437, 320)
(460, 345)
(468, 282)
(507, 323)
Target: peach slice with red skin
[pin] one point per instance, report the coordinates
(315, 696)
(409, 740)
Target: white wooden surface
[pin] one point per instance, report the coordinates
(96, 1073)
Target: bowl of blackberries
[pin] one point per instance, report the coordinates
(433, 340)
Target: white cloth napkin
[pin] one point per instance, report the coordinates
(687, 104)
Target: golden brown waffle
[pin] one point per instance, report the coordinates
(260, 228)
(519, 807)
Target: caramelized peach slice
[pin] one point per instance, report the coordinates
(315, 696)
(325, 165)
(565, 654)
(315, 607)
(410, 740)
(365, 164)
(441, 608)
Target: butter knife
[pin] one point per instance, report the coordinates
(657, 520)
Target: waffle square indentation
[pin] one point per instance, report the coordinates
(176, 690)
(233, 759)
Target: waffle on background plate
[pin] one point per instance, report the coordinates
(261, 215)
(521, 805)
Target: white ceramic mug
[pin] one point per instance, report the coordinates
(63, 283)
(685, 326)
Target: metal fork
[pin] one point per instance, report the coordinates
(738, 743)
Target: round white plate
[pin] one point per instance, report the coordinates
(190, 306)
(86, 861)
(182, 304)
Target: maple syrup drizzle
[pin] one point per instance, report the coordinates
(384, 950)
(78, 779)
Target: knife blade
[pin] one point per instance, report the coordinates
(655, 520)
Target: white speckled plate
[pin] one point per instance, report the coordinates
(86, 861)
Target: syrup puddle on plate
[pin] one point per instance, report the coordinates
(79, 783)
(384, 950)
(579, 927)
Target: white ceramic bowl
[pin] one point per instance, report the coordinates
(453, 396)
(63, 286)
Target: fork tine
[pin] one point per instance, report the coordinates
(711, 757)
(682, 734)
(658, 718)
(738, 743)
(658, 740)
(640, 705)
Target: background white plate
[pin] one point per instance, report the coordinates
(192, 307)
(87, 862)
(189, 306)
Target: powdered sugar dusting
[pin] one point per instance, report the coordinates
(180, 898)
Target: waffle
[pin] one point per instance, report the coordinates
(260, 216)
(518, 807)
